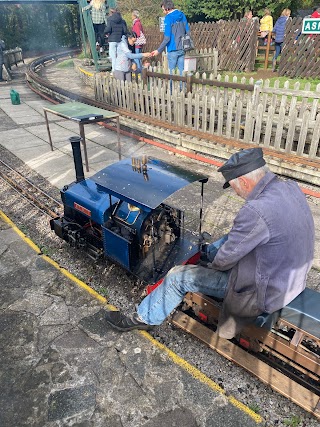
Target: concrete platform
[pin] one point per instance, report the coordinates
(62, 365)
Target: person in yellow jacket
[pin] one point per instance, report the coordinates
(266, 26)
(266, 22)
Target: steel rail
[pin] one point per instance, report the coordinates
(26, 194)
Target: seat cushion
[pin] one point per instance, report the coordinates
(304, 312)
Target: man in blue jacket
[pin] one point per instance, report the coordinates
(260, 266)
(175, 26)
(279, 30)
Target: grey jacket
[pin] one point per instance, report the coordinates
(269, 252)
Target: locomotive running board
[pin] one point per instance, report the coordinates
(268, 375)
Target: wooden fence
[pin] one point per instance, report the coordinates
(235, 41)
(203, 60)
(282, 119)
(236, 44)
(300, 55)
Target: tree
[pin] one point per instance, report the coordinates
(40, 27)
(233, 9)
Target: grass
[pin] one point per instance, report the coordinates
(294, 421)
(257, 76)
(103, 291)
(45, 251)
(84, 55)
(255, 408)
(68, 63)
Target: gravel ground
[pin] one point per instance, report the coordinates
(124, 291)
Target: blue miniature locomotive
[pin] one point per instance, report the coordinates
(120, 213)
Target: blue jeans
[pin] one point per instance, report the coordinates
(278, 48)
(180, 280)
(138, 61)
(113, 53)
(176, 59)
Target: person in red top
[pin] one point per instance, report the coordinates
(137, 28)
(316, 13)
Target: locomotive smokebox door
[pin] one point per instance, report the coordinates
(141, 232)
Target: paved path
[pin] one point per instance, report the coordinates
(62, 365)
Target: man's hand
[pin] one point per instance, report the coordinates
(154, 53)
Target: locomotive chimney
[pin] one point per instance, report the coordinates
(76, 150)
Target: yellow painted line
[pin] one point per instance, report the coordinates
(75, 279)
(201, 377)
(85, 72)
(55, 264)
(21, 234)
(194, 372)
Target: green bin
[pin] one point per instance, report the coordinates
(15, 97)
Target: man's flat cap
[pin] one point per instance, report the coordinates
(241, 163)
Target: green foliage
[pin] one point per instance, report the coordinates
(233, 9)
(44, 250)
(83, 55)
(68, 63)
(294, 421)
(40, 27)
(43, 27)
(255, 408)
(282, 79)
(103, 291)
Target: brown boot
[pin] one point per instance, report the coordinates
(274, 64)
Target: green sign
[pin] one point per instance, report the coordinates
(311, 26)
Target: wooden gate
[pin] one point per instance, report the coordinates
(235, 41)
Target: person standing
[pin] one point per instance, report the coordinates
(138, 30)
(266, 22)
(175, 26)
(99, 20)
(257, 267)
(316, 13)
(2, 48)
(115, 29)
(247, 16)
(123, 63)
(266, 25)
(279, 29)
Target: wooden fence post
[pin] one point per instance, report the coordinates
(189, 83)
(144, 76)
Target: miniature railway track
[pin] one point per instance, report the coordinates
(294, 387)
(268, 374)
(51, 91)
(29, 191)
(289, 366)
